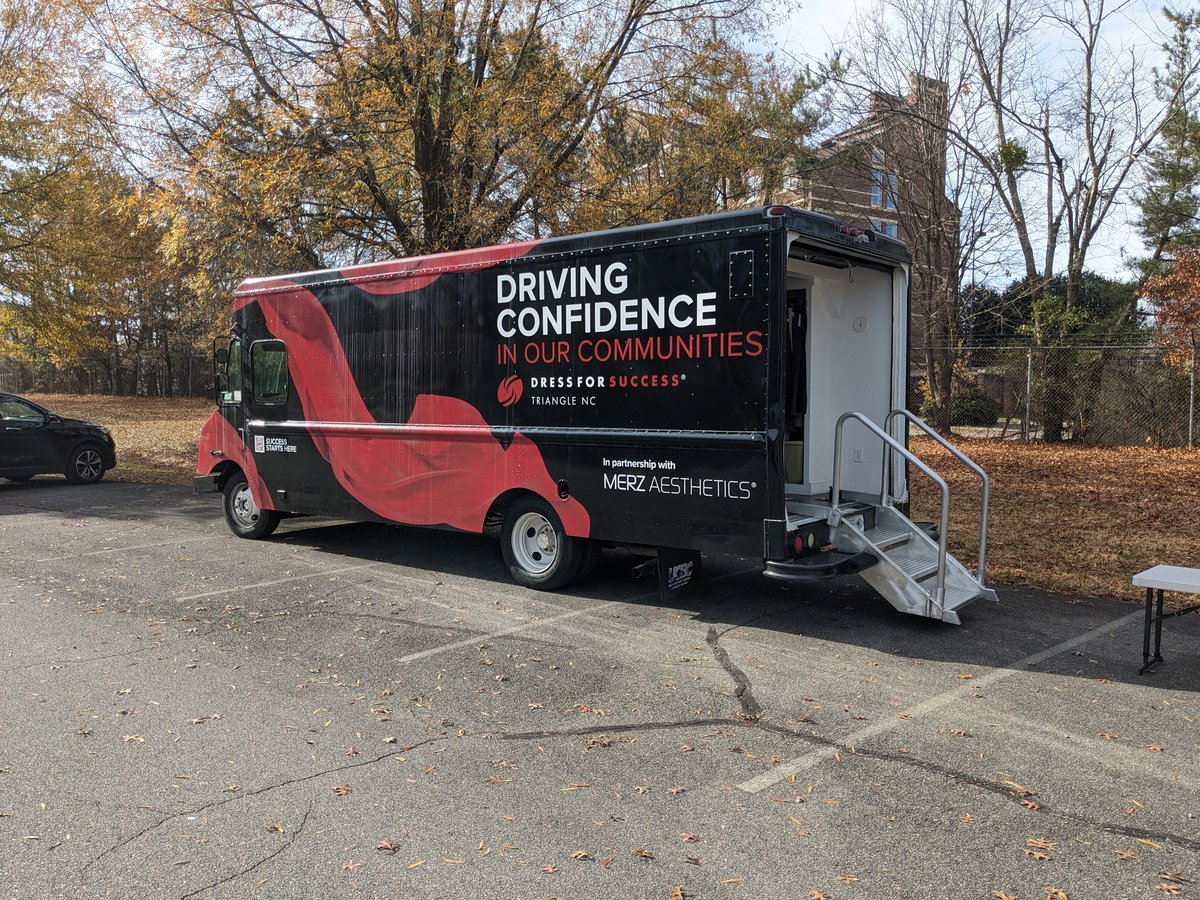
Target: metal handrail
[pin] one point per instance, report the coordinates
(888, 440)
(962, 458)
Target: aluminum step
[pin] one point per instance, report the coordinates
(917, 568)
(956, 597)
(888, 538)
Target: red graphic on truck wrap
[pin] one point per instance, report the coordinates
(398, 276)
(510, 390)
(448, 475)
(218, 435)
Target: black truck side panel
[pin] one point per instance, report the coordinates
(625, 382)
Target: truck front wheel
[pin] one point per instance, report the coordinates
(243, 515)
(538, 553)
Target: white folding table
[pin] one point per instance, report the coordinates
(1177, 579)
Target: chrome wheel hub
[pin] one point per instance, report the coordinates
(245, 510)
(88, 465)
(534, 543)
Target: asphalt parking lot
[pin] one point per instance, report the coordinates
(360, 710)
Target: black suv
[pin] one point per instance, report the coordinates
(34, 441)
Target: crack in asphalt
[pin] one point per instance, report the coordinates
(754, 713)
(266, 859)
(751, 710)
(157, 645)
(999, 788)
(742, 691)
(987, 784)
(196, 810)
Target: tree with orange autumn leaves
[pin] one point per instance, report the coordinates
(210, 140)
(1175, 295)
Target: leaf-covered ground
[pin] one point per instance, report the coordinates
(1066, 518)
(1077, 519)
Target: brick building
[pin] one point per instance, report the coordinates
(888, 172)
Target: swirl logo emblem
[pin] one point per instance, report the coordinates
(510, 390)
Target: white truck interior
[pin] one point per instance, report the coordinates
(849, 356)
(846, 361)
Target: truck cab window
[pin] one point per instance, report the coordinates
(268, 369)
(232, 389)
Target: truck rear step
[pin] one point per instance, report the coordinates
(914, 572)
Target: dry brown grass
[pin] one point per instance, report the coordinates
(1066, 518)
(1076, 519)
(156, 437)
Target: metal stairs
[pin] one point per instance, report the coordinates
(914, 572)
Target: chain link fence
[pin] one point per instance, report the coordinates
(1095, 395)
(181, 375)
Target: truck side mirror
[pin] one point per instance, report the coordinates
(221, 356)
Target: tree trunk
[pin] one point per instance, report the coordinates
(1052, 397)
(169, 381)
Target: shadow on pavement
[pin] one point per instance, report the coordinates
(732, 594)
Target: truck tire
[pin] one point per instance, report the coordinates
(538, 553)
(589, 562)
(242, 514)
(85, 465)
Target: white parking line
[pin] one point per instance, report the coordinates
(211, 537)
(801, 763)
(396, 578)
(383, 591)
(467, 642)
(262, 584)
(596, 607)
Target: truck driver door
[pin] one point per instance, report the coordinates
(229, 371)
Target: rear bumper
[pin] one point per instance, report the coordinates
(207, 484)
(815, 566)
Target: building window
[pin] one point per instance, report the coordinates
(888, 228)
(883, 183)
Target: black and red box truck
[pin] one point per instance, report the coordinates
(682, 388)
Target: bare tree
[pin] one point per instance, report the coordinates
(1047, 115)
(944, 203)
(1072, 113)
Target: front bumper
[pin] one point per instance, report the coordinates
(207, 484)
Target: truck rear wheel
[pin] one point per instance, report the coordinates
(538, 553)
(243, 515)
(590, 560)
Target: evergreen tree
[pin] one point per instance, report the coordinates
(1170, 200)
